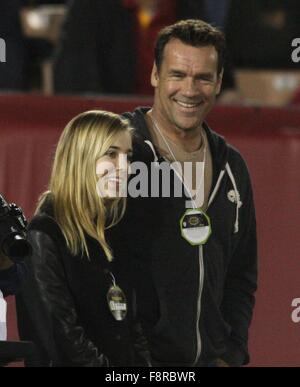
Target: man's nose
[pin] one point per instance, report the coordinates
(190, 88)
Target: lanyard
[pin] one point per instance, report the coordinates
(195, 225)
(176, 161)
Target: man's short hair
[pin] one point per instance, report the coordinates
(196, 33)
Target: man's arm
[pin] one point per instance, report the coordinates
(5, 262)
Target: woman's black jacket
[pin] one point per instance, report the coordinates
(63, 306)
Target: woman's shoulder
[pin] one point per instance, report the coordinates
(43, 222)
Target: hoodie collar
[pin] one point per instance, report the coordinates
(217, 144)
(144, 148)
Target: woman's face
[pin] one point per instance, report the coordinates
(112, 169)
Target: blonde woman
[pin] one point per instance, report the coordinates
(76, 306)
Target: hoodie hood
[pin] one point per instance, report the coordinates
(218, 147)
(145, 150)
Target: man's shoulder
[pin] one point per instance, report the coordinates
(234, 154)
(141, 134)
(137, 117)
(228, 153)
(238, 163)
(222, 146)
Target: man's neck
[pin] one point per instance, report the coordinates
(188, 141)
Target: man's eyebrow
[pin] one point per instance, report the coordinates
(200, 74)
(207, 74)
(174, 71)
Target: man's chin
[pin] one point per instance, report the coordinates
(189, 127)
(188, 124)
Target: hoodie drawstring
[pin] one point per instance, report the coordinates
(232, 179)
(149, 143)
(237, 197)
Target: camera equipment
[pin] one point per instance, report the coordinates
(13, 224)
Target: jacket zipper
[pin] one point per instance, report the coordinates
(201, 283)
(201, 261)
(201, 276)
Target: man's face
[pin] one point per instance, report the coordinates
(186, 85)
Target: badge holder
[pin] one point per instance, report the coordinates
(116, 301)
(195, 227)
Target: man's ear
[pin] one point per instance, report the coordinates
(219, 82)
(154, 76)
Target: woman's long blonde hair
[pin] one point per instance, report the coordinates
(72, 190)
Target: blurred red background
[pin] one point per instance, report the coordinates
(269, 140)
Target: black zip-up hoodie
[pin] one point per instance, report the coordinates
(196, 303)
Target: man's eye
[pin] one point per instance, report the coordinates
(177, 76)
(205, 79)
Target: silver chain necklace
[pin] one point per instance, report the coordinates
(155, 125)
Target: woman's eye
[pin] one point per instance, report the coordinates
(111, 154)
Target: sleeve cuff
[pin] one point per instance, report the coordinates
(8, 273)
(235, 356)
(10, 280)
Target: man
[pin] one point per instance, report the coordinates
(101, 51)
(196, 272)
(109, 50)
(12, 70)
(268, 26)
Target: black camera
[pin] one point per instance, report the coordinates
(13, 224)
